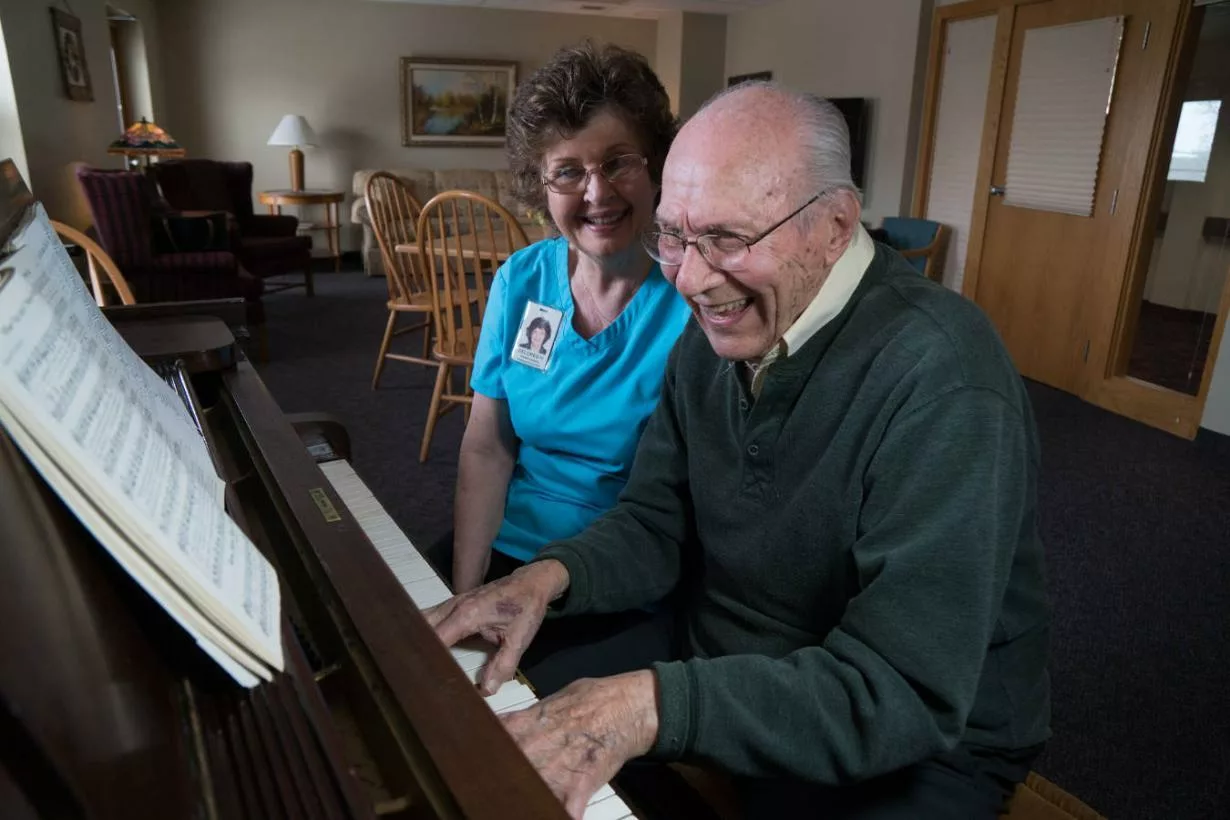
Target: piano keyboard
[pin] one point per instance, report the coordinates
(426, 589)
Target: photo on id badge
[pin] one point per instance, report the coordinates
(536, 337)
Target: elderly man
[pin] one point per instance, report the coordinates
(836, 495)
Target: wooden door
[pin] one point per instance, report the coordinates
(1040, 273)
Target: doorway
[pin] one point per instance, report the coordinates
(1185, 252)
(1087, 238)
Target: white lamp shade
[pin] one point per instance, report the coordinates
(293, 130)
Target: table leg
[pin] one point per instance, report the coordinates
(272, 209)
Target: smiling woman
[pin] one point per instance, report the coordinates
(577, 328)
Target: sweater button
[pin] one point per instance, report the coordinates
(743, 404)
(753, 450)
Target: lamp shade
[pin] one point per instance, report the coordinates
(293, 130)
(145, 137)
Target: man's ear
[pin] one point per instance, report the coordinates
(843, 215)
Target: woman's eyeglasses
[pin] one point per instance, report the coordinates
(574, 179)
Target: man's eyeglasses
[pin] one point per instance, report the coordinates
(724, 251)
(573, 179)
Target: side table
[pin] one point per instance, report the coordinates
(332, 226)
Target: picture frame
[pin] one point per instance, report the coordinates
(70, 46)
(765, 76)
(451, 102)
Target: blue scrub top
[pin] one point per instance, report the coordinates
(580, 419)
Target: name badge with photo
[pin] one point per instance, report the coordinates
(536, 337)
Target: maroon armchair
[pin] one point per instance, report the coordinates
(266, 245)
(125, 208)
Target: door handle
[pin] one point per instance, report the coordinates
(998, 190)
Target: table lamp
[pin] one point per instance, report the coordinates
(145, 139)
(294, 130)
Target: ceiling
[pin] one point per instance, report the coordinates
(642, 9)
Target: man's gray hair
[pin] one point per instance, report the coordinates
(823, 134)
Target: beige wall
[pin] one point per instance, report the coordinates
(703, 57)
(241, 64)
(669, 61)
(691, 58)
(864, 49)
(12, 146)
(57, 131)
(137, 42)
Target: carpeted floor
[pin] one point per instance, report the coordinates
(1136, 522)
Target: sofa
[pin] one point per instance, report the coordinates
(424, 184)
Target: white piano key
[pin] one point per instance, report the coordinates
(602, 794)
(517, 707)
(469, 659)
(426, 589)
(611, 808)
(428, 592)
(510, 694)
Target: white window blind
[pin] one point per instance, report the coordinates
(1067, 76)
(964, 79)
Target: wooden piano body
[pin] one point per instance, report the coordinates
(109, 710)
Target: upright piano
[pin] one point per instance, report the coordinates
(109, 710)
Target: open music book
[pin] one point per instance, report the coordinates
(118, 446)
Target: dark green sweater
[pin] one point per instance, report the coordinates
(857, 549)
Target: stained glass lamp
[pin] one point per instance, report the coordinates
(146, 139)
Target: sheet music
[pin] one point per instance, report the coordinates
(104, 419)
(52, 274)
(138, 568)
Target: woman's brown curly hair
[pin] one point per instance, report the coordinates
(561, 98)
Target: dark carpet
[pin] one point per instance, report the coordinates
(1136, 522)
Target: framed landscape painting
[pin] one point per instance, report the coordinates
(455, 102)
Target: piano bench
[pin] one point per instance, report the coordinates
(1039, 799)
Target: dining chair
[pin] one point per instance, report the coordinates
(394, 214)
(463, 238)
(923, 242)
(97, 258)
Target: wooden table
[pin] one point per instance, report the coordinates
(534, 233)
(332, 226)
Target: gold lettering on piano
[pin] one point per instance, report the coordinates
(326, 506)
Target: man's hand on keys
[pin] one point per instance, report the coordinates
(579, 737)
(506, 613)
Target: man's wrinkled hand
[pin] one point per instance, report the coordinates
(506, 613)
(579, 737)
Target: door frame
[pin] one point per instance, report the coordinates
(1110, 386)
(1005, 11)
(1103, 381)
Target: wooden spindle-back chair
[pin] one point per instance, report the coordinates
(394, 213)
(97, 259)
(463, 238)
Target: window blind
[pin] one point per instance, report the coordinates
(1063, 95)
(964, 80)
